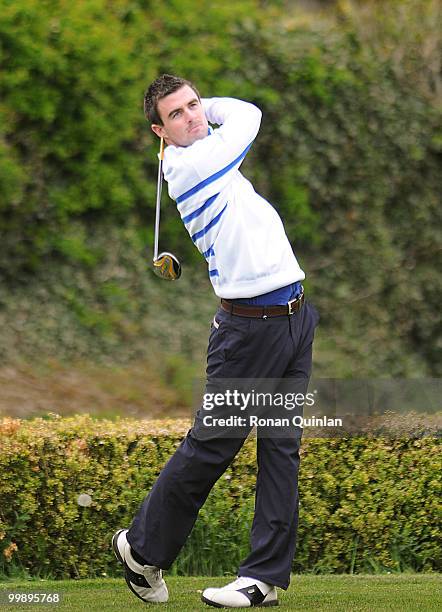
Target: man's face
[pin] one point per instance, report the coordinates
(183, 118)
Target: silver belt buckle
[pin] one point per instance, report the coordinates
(294, 301)
(290, 304)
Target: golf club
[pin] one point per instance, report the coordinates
(165, 265)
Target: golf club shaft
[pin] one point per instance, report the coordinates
(159, 189)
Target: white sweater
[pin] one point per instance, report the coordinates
(238, 232)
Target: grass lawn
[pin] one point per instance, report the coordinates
(401, 592)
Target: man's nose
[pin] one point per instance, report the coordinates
(189, 115)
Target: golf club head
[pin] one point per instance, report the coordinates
(167, 266)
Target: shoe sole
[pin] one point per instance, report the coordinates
(129, 584)
(217, 605)
(115, 547)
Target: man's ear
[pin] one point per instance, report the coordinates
(158, 130)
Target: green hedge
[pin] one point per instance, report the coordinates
(74, 144)
(366, 504)
(349, 153)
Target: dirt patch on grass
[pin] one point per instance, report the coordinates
(106, 391)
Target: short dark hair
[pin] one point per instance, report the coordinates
(160, 88)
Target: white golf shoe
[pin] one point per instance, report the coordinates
(145, 581)
(242, 593)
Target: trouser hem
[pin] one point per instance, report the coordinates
(266, 579)
(162, 565)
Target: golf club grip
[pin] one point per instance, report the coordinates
(158, 204)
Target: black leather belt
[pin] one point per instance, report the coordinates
(262, 312)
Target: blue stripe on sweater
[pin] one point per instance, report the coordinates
(212, 178)
(209, 252)
(209, 225)
(199, 210)
(213, 273)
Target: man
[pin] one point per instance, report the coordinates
(262, 330)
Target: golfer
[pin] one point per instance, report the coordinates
(263, 329)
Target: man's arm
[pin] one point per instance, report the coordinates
(239, 124)
(212, 160)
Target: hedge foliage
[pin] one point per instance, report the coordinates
(366, 504)
(73, 140)
(351, 155)
(349, 151)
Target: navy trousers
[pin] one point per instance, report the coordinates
(239, 347)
